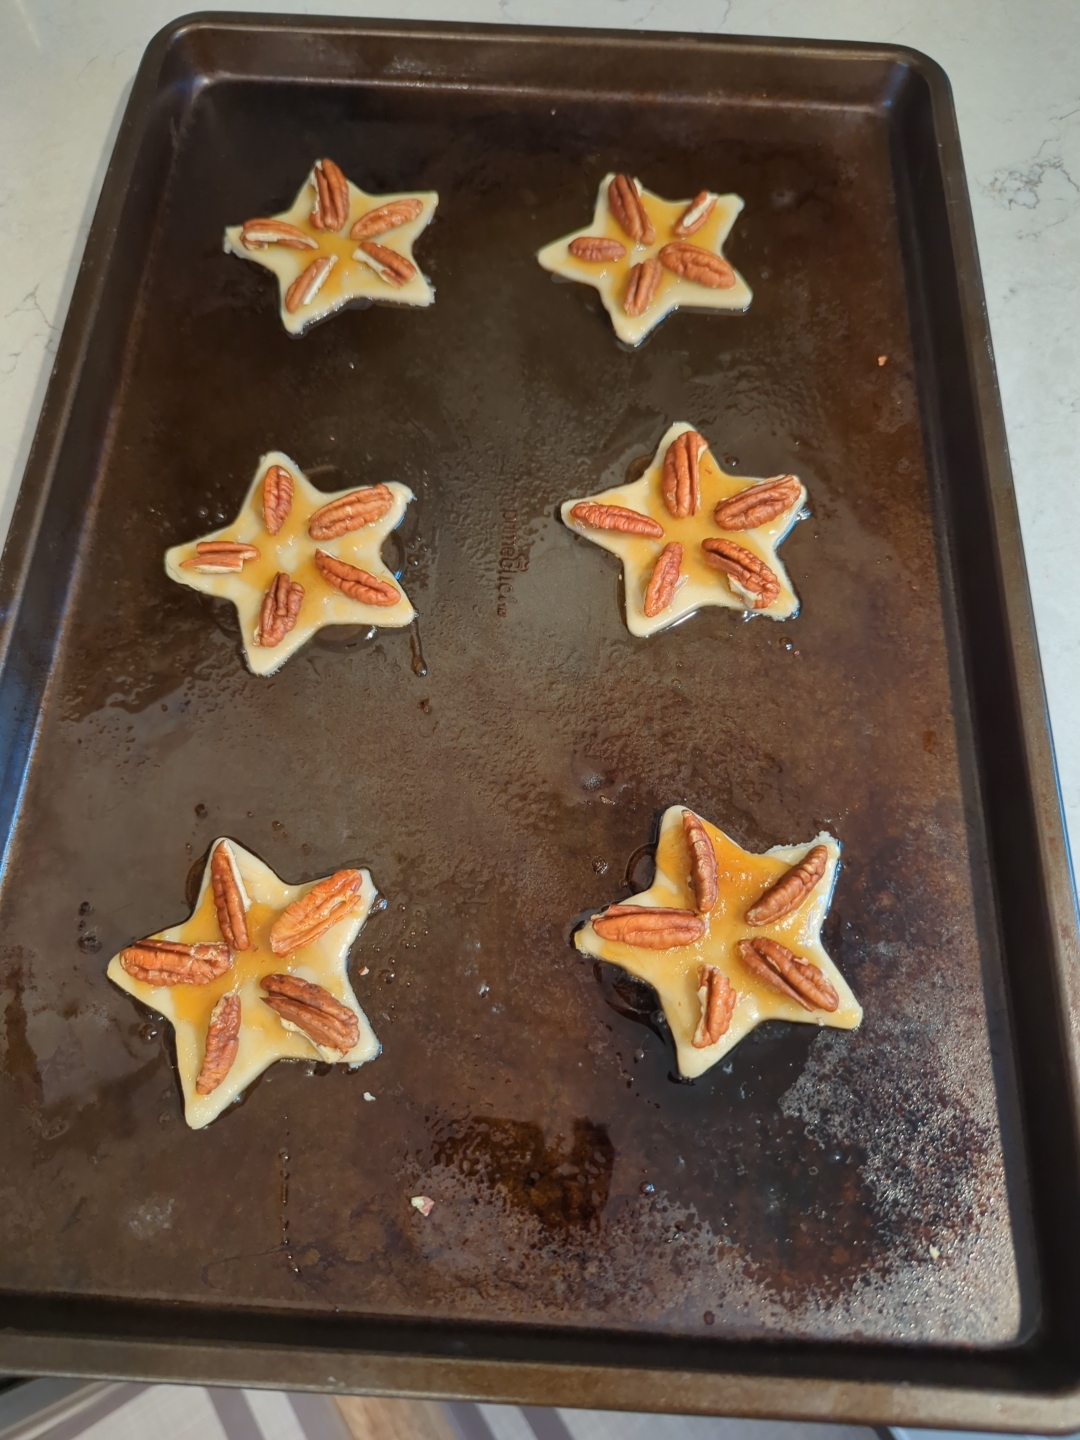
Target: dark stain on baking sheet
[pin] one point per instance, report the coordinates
(815, 1185)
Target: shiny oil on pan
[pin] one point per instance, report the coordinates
(865, 1225)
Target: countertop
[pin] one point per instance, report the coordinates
(66, 68)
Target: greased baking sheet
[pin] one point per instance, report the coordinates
(862, 1210)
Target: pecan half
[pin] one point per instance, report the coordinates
(306, 286)
(220, 557)
(717, 997)
(596, 248)
(167, 962)
(625, 204)
(748, 576)
(280, 607)
(277, 497)
(616, 517)
(357, 584)
(325, 1021)
(350, 512)
(228, 898)
(663, 580)
(787, 974)
(387, 263)
(702, 862)
(258, 234)
(386, 217)
(331, 207)
(306, 919)
(758, 504)
(649, 926)
(695, 215)
(222, 1043)
(679, 483)
(790, 890)
(691, 262)
(641, 286)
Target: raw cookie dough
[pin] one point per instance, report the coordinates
(740, 880)
(698, 581)
(367, 256)
(222, 564)
(653, 255)
(258, 945)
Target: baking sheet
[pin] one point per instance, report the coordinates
(501, 767)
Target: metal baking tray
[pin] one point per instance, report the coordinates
(866, 1227)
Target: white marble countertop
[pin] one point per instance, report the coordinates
(66, 67)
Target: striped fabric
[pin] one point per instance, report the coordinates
(182, 1412)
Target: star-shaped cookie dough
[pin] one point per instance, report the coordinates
(728, 938)
(647, 256)
(689, 535)
(258, 973)
(296, 559)
(336, 245)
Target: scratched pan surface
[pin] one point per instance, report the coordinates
(861, 1206)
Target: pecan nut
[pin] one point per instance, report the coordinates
(258, 234)
(641, 286)
(774, 965)
(386, 217)
(596, 248)
(331, 207)
(663, 580)
(307, 285)
(702, 862)
(220, 557)
(307, 919)
(790, 890)
(680, 482)
(277, 497)
(326, 1022)
(703, 267)
(758, 504)
(616, 517)
(357, 584)
(748, 576)
(387, 263)
(229, 898)
(350, 512)
(222, 1043)
(649, 926)
(716, 996)
(167, 962)
(695, 215)
(280, 607)
(626, 206)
